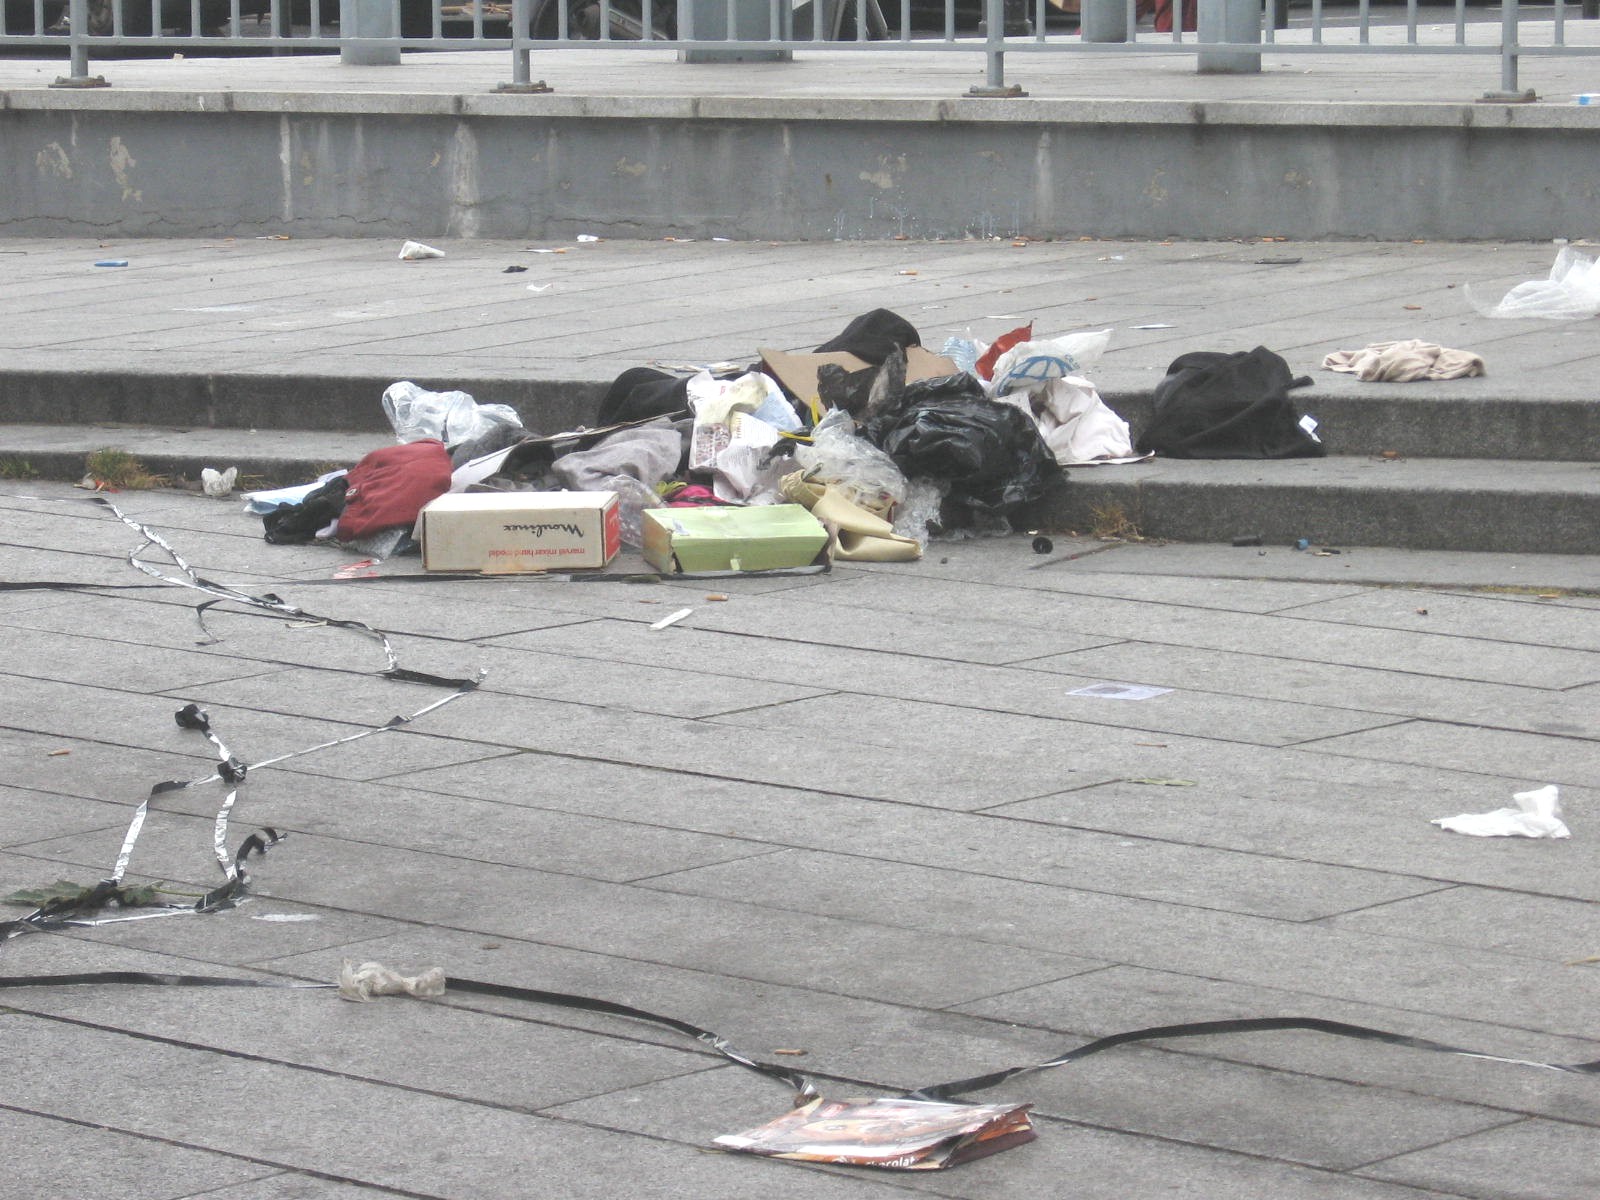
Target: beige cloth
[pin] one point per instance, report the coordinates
(1404, 362)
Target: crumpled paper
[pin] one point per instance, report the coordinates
(412, 251)
(374, 979)
(1537, 815)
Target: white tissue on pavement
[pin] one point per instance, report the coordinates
(1537, 815)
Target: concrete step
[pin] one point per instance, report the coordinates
(1462, 419)
(1405, 503)
(1489, 505)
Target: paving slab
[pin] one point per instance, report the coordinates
(58, 1157)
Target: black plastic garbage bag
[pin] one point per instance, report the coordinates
(1217, 405)
(989, 453)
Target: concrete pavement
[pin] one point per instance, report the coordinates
(858, 815)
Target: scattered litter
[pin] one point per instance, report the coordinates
(1165, 782)
(544, 249)
(716, 597)
(588, 237)
(1302, 543)
(1405, 362)
(672, 618)
(412, 251)
(902, 1134)
(1278, 262)
(218, 484)
(1537, 815)
(285, 918)
(791, 1053)
(1587, 98)
(57, 753)
(1043, 545)
(1158, 326)
(1120, 691)
(112, 262)
(367, 568)
(374, 979)
(1570, 292)
(905, 272)
(514, 269)
(540, 287)
(1325, 552)
(1422, 612)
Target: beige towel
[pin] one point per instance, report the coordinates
(1403, 362)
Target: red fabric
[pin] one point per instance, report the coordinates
(1001, 344)
(389, 487)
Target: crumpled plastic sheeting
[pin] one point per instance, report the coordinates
(374, 979)
(1571, 292)
(1537, 815)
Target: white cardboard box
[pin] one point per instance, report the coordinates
(504, 533)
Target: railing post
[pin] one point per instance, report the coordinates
(1228, 21)
(521, 57)
(78, 49)
(1103, 21)
(1510, 33)
(994, 52)
(369, 33)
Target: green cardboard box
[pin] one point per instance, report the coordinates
(766, 537)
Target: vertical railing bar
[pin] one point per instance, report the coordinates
(1365, 10)
(1411, 22)
(521, 67)
(1510, 20)
(1316, 22)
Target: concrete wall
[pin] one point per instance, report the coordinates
(501, 166)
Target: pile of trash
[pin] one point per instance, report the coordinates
(858, 451)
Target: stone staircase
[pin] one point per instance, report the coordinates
(1407, 470)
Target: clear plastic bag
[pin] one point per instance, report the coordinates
(449, 417)
(837, 457)
(633, 498)
(1569, 293)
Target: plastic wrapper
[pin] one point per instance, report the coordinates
(1571, 291)
(633, 498)
(449, 417)
(917, 516)
(839, 458)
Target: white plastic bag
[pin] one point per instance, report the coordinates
(1571, 291)
(1028, 365)
(449, 417)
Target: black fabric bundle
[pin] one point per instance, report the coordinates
(1218, 405)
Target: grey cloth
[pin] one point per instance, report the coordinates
(649, 454)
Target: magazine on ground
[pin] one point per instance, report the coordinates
(906, 1135)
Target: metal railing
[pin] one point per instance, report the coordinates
(1222, 35)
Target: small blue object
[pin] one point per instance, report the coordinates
(112, 262)
(1302, 543)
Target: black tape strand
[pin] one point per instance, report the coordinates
(977, 1083)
